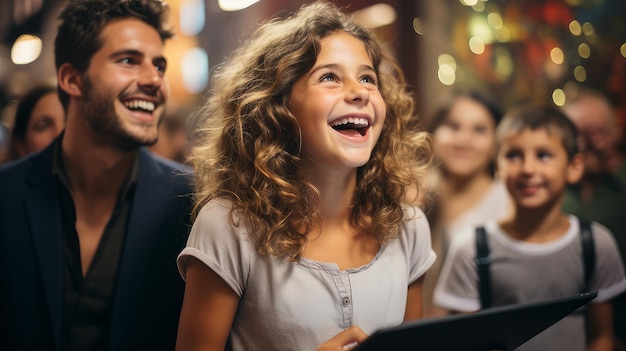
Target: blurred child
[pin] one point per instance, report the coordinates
(462, 192)
(536, 254)
(465, 191)
(302, 240)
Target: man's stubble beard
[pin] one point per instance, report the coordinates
(99, 111)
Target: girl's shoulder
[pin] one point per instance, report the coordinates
(413, 212)
(415, 227)
(218, 215)
(215, 207)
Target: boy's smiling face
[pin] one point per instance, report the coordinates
(535, 167)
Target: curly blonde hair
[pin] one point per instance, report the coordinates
(247, 148)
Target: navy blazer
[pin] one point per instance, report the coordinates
(149, 291)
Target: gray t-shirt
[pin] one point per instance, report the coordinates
(526, 272)
(288, 305)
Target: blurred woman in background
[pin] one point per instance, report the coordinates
(463, 191)
(38, 120)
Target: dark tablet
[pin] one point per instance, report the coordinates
(501, 328)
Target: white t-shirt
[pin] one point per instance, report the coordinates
(494, 204)
(288, 305)
(526, 272)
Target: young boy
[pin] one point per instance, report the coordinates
(536, 254)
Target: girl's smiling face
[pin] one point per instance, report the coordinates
(464, 143)
(338, 106)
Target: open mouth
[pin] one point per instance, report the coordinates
(351, 125)
(140, 105)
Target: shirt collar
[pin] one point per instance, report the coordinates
(58, 169)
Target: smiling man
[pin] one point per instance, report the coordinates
(90, 227)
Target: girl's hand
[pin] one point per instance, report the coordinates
(346, 340)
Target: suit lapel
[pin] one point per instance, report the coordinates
(150, 194)
(41, 201)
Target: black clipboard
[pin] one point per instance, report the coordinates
(499, 328)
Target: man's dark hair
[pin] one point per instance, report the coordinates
(82, 21)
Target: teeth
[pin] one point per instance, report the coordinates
(140, 104)
(346, 120)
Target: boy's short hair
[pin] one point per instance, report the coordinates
(537, 117)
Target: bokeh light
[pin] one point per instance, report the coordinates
(477, 45)
(575, 28)
(195, 69)
(580, 73)
(584, 50)
(26, 49)
(447, 69)
(557, 56)
(558, 97)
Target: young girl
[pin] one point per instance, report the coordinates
(463, 191)
(302, 239)
(464, 146)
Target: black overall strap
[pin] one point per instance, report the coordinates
(589, 252)
(482, 262)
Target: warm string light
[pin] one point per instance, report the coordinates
(26, 49)
(492, 50)
(235, 5)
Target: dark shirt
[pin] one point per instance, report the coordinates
(88, 299)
